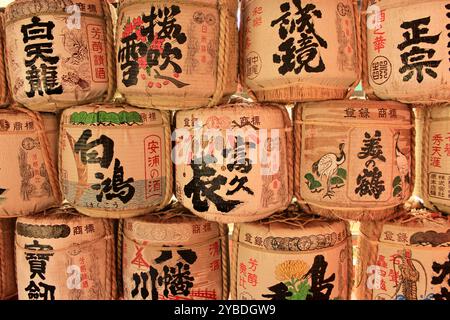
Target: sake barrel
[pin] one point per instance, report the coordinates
(62, 255)
(435, 175)
(177, 54)
(3, 84)
(405, 259)
(291, 256)
(354, 159)
(59, 52)
(299, 51)
(175, 255)
(115, 160)
(28, 174)
(233, 162)
(8, 288)
(405, 49)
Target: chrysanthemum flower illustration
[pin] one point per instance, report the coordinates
(291, 269)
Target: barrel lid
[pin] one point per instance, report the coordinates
(293, 230)
(236, 116)
(121, 115)
(26, 8)
(415, 228)
(175, 226)
(61, 228)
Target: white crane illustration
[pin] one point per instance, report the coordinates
(327, 166)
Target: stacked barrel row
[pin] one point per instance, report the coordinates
(226, 161)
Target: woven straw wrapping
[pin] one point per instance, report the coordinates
(284, 247)
(384, 74)
(334, 148)
(28, 162)
(141, 141)
(435, 166)
(208, 56)
(200, 245)
(8, 287)
(4, 92)
(399, 259)
(341, 56)
(81, 262)
(267, 131)
(85, 67)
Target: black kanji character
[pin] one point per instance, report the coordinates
(37, 30)
(128, 56)
(38, 261)
(372, 147)
(417, 59)
(318, 282)
(280, 292)
(176, 280)
(34, 291)
(369, 182)
(241, 185)
(82, 146)
(115, 187)
(137, 283)
(187, 255)
(165, 19)
(198, 187)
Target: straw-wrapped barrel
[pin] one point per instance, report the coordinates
(404, 259)
(115, 160)
(4, 91)
(28, 162)
(300, 51)
(354, 159)
(233, 163)
(175, 255)
(405, 50)
(61, 255)
(59, 53)
(292, 256)
(177, 54)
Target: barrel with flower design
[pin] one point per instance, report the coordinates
(233, 162)
(28, 162)
(59, 53)
(115, 160)
(62, 255)
(354, 159)
(177, 54)
(405, 49)
(299, 50)
(8, 287)
(292, 256)
(174, 255)
(404, 259)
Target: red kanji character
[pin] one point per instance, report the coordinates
(242, 268)
(252, 264)
(252, 279)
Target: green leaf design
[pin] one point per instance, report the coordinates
(342, 173)
(315, 185)
(309, 177)
(397, 181)
(336, 181)
(104, 117)
(303, 289)
(397, 191)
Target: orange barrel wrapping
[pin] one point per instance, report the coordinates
(177, 54)
(28, 166)
(157, 248)
(62, 255)
(233, 163)
(300, 50)
(404, 259)
(59, 53)
(354, 159)
(115, 160)
(287, 256)
(4, 91)
(405, 50)
(8, 287)
(435, 175)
